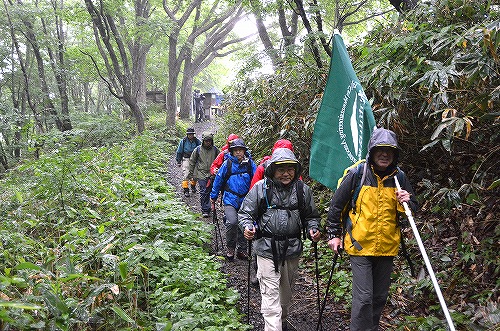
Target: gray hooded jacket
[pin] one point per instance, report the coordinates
(284, 222)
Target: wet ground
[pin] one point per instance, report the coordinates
(303, 314)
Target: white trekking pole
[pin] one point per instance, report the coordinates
(427, 262)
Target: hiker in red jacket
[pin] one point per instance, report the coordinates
(221, 157)
(261, 168)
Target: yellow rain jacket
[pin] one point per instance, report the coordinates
(372, 227)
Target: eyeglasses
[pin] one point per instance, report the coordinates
(281, 171)
(384, 149)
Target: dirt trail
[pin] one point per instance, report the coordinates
(303, 315)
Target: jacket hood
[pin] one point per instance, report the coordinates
(231, 137)
(207, 136)
(383, 138)
(282, 155)
(237, 143)
(283, 143)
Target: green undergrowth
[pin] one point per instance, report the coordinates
(94, 239)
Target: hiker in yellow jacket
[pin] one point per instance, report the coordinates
(372, 232)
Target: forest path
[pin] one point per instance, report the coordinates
(303, 313)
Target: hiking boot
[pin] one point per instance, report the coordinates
(230, 254)
(186, 192)
(206, 214)
(242, 255)
(254, 281)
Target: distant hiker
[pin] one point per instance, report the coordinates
(223, 152)
(277, 212)
(199, 168)
(233, 179)
(184, 150)
(198, 99)
(259, 173)
(373, 234)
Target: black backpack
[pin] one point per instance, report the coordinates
(229, 173)
(264, 204)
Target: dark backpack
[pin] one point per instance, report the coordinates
(229, 173)
(264, 204)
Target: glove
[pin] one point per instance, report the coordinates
(210, 181)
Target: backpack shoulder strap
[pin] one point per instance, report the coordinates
(229, 170)
(357, 183)
(300, 199)
(250, 169)
(197, 152)
(400, 175)
(183, 143)
(267, 195)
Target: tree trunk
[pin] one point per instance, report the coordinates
(59, 69)
(24, 70)
(139, 74)
(116, 60)
(173, 74)
(186, 88)
(86, 96)
(312, 41)
(138, 51)
(263, 35)
(131, 101)
(3, 157)
(49, 108)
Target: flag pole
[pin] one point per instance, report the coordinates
(427, 262)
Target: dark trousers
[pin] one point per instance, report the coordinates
(234, 236)
(371, 278)
(204, 195)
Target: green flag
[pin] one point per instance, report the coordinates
(344, 123)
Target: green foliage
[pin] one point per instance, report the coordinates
(442, 68)
(94, 238)
(278, 107)
(433, 78)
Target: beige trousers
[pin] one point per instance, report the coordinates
(276, 290)
(185, 168)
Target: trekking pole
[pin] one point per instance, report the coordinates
(214, 220)
(248, 279)
(217, 231)
(427, 262)
(323, 305)
(315, 245)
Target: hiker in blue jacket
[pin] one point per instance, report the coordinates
(233, 179)
(183, 153)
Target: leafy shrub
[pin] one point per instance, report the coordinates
(94, 239)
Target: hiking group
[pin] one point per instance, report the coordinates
(269, 211)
